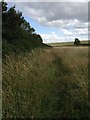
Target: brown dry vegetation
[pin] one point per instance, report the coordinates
(46, 83)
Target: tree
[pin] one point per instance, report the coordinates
(13, 24)
(77, 42)
(17, 34)
(26, 26)
(4, 6)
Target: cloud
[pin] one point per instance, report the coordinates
(69, 17)
(67, 32)
(77, 31)
(53, 11)
(71, 23)
(53, 37)
(81, 31)
(42, 20)
(56, 13)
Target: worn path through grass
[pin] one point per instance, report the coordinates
(71, 82)
(46, 83)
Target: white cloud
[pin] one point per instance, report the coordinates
(67, 32)
(69, 17)
(55, 23)
(33, 13)
(42, 20)
(56, 11)
(81, 31)
(51, 37)
(76, 31)
(71, 23)
(59, 14)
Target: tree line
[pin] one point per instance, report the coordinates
(17, 34)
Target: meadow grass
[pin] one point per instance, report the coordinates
(73, 76)
(60, 44)
(46, 83)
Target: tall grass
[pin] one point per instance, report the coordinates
(73, 76)
(27, 84)
(46, 83)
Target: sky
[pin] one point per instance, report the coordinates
(56, 21)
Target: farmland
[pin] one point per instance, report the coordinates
(46, 83)
(61, 44)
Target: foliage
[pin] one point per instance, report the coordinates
(17, 33)
(77, 42)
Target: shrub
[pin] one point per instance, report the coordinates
(77, 42)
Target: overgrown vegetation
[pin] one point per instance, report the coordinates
(46, 83)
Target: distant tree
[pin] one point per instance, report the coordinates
(77, 42)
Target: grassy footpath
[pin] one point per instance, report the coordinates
(46, 83)
(72, 82)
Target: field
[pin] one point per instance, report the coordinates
(46, 83)
(68, 43)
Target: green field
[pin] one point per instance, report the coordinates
(46, 83)
(68, 43)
